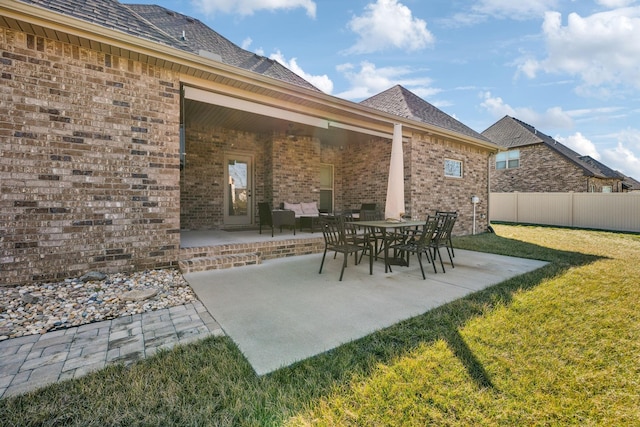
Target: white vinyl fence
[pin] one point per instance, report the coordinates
(604, 211)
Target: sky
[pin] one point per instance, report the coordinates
(571, 68)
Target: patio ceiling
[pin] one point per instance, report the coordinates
(197, 113)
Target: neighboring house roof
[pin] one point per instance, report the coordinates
(404, 103)
(512, 133)
(160, 25)
(629, 183)
(601, 167)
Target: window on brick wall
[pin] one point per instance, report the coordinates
(326, 188)
(182, 148)
(606, 189)
(452, 168)
(508, 159)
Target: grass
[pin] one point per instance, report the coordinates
(558, 346)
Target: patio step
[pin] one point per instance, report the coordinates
(216, 262)
(231, 255)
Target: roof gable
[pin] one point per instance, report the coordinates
(509, 132)
(404, 103)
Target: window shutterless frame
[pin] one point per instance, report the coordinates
(453, 168)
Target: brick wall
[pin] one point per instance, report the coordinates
(285, 170)
(544, 170)
(202, 178)
(296, 170)
(89, 163)
(426, 188)
(365, 171)
(432, 191)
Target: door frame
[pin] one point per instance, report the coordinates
(240, 219)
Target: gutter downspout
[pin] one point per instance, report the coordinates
(489, 189)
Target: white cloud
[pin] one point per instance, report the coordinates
(594, 112)
(388, 24)
(248, 7)
(322, 82)
(554, 117)
(600, 49)
(580, 144)
(246, 43)
(612, 4)
(625, 157)
(520, 9)
(368, 80)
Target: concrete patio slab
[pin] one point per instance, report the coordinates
(283, 311)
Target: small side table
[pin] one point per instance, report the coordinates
(310, 222)
(284, 218)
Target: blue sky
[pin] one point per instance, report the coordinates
(571, 68)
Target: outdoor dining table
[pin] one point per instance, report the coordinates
(388, 227)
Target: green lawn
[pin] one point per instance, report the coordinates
(558, 346)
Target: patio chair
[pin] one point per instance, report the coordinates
(454, 215)
(376, 236)
(264, 216)
(353, 233)
(333, 231)
(441, 238)
(368, 207)
(418, 242)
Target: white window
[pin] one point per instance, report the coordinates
(508, 159)
(453, 168)
(606, 189)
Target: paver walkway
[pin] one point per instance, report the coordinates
(34, 361)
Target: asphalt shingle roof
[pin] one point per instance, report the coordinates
(404, 103)
(629, 183)
(600, 167)
(109, 14)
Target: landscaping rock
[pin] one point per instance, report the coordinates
(93, 276)
(139, 294)
(39, 308)
(29, 298)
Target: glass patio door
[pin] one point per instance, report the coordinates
(238, 176)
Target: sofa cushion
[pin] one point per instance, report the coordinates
(310, 209)
(295, 207)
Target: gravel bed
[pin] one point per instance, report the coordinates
(40, 308)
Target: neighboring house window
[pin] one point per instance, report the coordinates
(606, 189)
(508, 159)
(453, 168)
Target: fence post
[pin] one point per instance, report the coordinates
(572, 209)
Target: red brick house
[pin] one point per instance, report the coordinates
(535, 162)
(122, 125)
